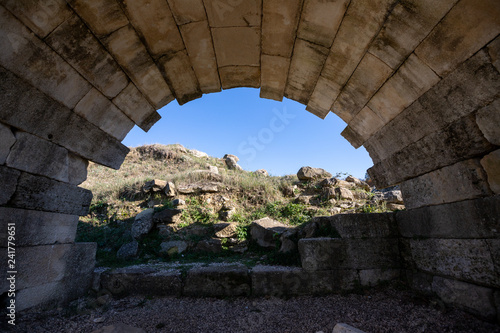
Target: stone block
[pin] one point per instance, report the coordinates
(230, 13)
(40, 157)
(198, 41)
(131, 54)
(279, 26)
(364, 124)
(463, 31)
(373, 277)
(407, 25)
(102, 16)
(362, 226)
(138, 280)
(44, 264)
(464, 259)
(491, 164)
(494, 53)
(8, 179)
(28, 109)
(41, 17)
(187, 11)
(38, 295)
(27, 56)
(494, 245)
(411, 80)
(41, 193)
(237, 46)
(458, 182)
(73, 41)
(100, 111)
(79, 263)
(274, 73)
(77, 169)
(218, 280)
(265, 231)
(488, 119)
(131, 102)
(305, 68)
(320, 20)
(470, 297)
(181, 76)
(334, 253)
(318, 254)
(240, 76)
(37, 228)
(457, 142)
(362, 22)
(368, 77)
(322, 99)
(478, 218)
(7, 140)
(280, 281)
(161, 38)
(472, 85)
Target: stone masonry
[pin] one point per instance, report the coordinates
(417, 83)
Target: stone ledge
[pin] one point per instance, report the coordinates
(319, 254)
(218, 280)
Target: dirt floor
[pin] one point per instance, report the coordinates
(383, 310)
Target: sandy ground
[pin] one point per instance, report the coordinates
(385, 310)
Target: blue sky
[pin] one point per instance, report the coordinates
(280, 137)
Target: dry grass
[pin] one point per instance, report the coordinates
(173, 163)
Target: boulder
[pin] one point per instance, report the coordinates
(213, 245)
(234, 157)
(228, 231)
(232, 164)
(344, 194)
(178, 202)
(213, 169)
(329, 182)
(358, 183)
(309, 173)
(173, 247)
(393, 196)
(197, 153)
(265, 230)
(198, 188)
(262, 172)
(155, 185)
(128, 250)
(170, 189)
(226, 214)
(329, 193)
(143, 223)
(168, 216)
(360, 195)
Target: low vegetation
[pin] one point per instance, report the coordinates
(241, 197)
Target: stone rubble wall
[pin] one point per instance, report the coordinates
(418, 86)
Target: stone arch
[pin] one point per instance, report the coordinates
(417, 82)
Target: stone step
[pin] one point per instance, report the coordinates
(232, 280)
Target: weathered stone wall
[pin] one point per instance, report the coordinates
(417, 82)
(452, 250)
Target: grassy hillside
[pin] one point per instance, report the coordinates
(119, 195)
